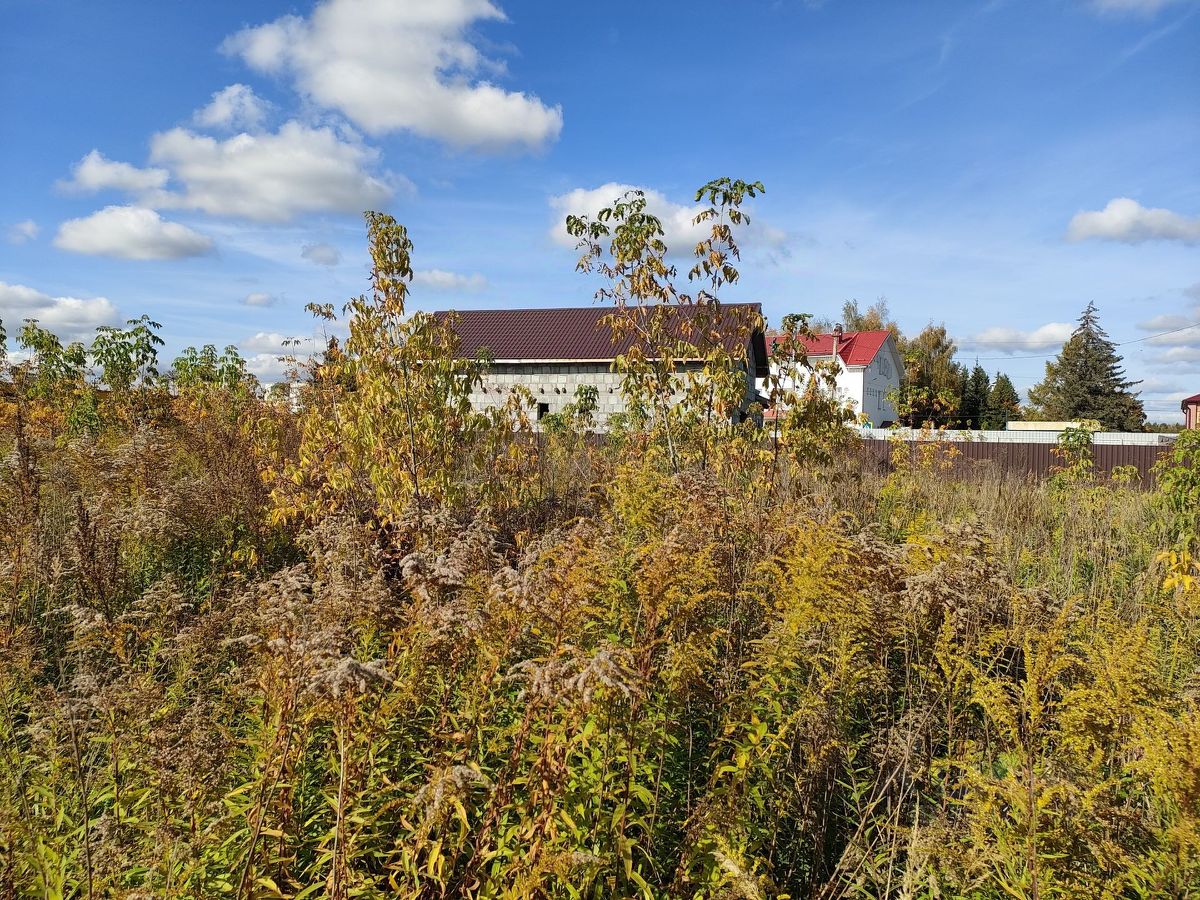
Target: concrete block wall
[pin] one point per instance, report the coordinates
(553, 384)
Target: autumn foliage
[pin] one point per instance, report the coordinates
(362, 640)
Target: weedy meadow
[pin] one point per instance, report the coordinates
(359, 639)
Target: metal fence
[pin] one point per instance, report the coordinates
(1030, 458)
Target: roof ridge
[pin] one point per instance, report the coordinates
(595, 306)
(574, 332)
(855, 348)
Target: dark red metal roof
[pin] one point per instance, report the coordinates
(1188, 401)
(856, 348)
(576, 333)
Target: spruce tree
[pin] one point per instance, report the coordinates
(973, 405)
(1087, 381)
(1003, 404)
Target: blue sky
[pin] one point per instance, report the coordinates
(990, 165)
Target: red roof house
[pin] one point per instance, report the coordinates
(855, 348)
(1191, 411)
(869, 368)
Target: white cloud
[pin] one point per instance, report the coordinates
(23, 232)
(679, 232)
(1128, 221)
(264, 342)
(1173, 341)
(96, 173)
(1161, 400)
(277, 343)
(1169, 321)
(236, 106)
(1174, 355)
(270, 177)
(259, 298)
(1174, 322)
(441, 280)
(70, 318)
(1174, 330)
(1135, 7)
(1186, 335)
(393, 65)
(266, 352)
(1013, 340)
(1163, 387)
(321, 254)
(130, 232)
(267, 367)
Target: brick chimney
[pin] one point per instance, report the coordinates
(837, 342)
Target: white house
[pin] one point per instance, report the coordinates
(869, 368)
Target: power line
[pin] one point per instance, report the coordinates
(1160, 334)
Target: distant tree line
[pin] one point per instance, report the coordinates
(1085, 381)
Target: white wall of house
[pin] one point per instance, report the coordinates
(881, 379)
(867, 388)
(850, 381)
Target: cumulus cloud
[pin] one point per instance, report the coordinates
(22, 232)
(1174, 321)
(233, 107)
(1162, 386)
(679, 232)
(267, 367)
(1172, 341)
(97, 173)
(130, 232)
(1186, 335)
(1173, 329)
(70, 318)
(1169, 321)
(277, 343)
(441, 280)
(1013, 340)
(390, 65)
(1128, 221)
(270, 177)
(1178, 355)
(259, 298)
(267, 352)
(1162, 398)
(321, 254)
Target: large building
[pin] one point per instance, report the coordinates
(553, 352)
(869, 369)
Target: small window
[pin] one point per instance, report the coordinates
(543, 409)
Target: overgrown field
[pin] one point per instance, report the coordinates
(384, 646)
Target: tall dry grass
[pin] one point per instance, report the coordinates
(650, 684)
